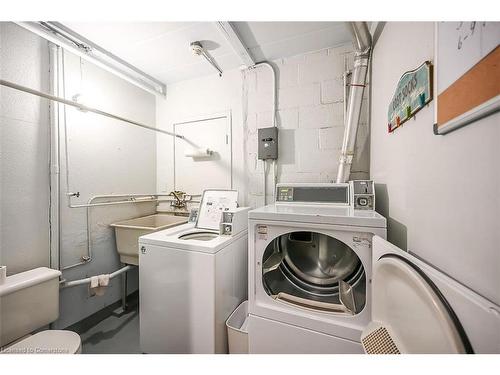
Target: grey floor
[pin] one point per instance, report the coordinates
(117, 333)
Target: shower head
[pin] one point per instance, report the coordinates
(198, 50)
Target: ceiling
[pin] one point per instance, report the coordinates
(161, 49)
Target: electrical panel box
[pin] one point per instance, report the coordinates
(268, 143)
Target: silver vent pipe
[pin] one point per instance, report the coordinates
(362, 41)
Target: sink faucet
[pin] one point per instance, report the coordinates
(180, 201)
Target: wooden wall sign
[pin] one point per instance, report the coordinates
(413, 92)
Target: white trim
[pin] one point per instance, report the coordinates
(485, 109)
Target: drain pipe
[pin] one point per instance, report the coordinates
(362, 41)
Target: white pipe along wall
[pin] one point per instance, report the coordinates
(362, 42)
(274, 110)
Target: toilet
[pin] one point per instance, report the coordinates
(29, 301)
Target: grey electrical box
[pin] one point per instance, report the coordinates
(268, 143)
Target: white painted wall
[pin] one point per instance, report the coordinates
(105, 156)
(310, 120)
(24, 147)
(193, 99)
(441, 194)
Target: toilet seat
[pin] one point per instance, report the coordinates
(47, 342)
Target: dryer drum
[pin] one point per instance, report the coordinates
(354, 279)
(316, 258)
(310, 265)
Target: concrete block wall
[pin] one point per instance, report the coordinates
(310, 100)
(309, 117)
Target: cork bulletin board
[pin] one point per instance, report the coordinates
(467, 73)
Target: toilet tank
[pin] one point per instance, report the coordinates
(28, 301)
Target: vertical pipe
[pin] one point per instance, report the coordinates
(54, 158)
(275, 109)
(124, 290)
(362, 42)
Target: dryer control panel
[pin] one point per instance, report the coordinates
(322, 193)
(358, 194)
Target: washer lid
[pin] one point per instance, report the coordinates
(213, 203)
(47, 342)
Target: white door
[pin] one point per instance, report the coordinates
(214, 171)
(418, 309)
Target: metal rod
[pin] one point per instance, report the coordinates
(82, 107)
(124, 291)
(212, 62)
(133, 198)
(68, 284)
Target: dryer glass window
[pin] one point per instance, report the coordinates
(314, 271)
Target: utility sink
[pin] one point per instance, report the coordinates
(128, 232)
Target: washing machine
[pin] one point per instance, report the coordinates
(192, 277)
(310, 268)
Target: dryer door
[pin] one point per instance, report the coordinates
(417, 309)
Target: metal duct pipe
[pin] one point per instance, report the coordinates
(362, 42)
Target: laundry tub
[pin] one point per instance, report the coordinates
(237, 333)
(127, 233)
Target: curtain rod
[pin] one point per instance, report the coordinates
(82, 107)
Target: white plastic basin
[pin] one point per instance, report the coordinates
(128, 232)
(237, 330)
